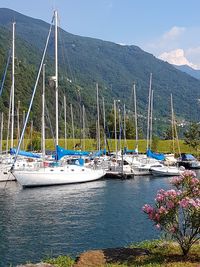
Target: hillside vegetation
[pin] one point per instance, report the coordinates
(83, 62)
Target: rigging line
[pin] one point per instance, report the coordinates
(5, 72)
(67, 57)
(64, 62)
(33, 94)
(50, 124)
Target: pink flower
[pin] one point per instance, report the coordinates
(157, 217)
(162, 210)
(194, 181)
(159, 198)
(158, 226)
(147, 208)
(170, 205)
(184, 203)
(176, 180)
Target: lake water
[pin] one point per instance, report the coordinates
(50, 221)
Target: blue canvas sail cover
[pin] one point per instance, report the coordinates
(61, 152)
(98, 153)
(187, 157)
(153, 155)
(24, 153)
(127, 151)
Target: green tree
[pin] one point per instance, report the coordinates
(35, 142)
(192, 135)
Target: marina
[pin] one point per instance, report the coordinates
(96, 153)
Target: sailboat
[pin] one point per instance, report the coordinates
(7, 160)
(55, 173)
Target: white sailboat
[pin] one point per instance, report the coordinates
(55, 174)
(6, 160)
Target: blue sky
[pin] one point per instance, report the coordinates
(169, 29)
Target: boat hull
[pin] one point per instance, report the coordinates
(165, 171)
(57, 176)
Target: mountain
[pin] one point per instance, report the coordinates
(85, 61)
(192, 72)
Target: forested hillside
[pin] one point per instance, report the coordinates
(83, 62)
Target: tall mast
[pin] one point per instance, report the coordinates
(43, 114)
(98, 123)
(115, 118)
(104, 123)
(1, 139)
(24, 116)
(65, 118)
(31, 130)
(151, 120)
(149, 107)
(72, 117)
(83, 127)
(119, 118)
(125, 142)
(136, 126)
(56, 70)
(13, 83)
(18, 128)
(175, 128)
(8, 125)
(172, 123)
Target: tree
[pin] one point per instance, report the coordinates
(192, 135)
(35, 142)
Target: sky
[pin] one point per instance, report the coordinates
(168, 29)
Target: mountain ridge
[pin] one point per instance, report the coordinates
(114, 67)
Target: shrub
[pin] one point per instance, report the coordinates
(177, 211)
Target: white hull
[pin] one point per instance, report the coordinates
(166, 171)
(57, 176)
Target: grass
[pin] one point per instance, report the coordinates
(60, 261)
(162, 146)
(162, 254)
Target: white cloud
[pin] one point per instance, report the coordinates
(168, 44)
(177, 57)
(168, 41)
(174, 33)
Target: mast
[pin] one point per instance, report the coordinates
(8, 126)
(125, 142)
(1, 139)
(136, 125)
(65, 119)
(18, 128)
(119, 118)
(149, 107)
(83, 127)
(24, 116)
(104, 123)
(172, 124)
(72, 117)
(43, 114)
(56, 70)
(115, 118)
(98, 123)
(31, 130)
(174, 129)
(13, 84)
(151, 120)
